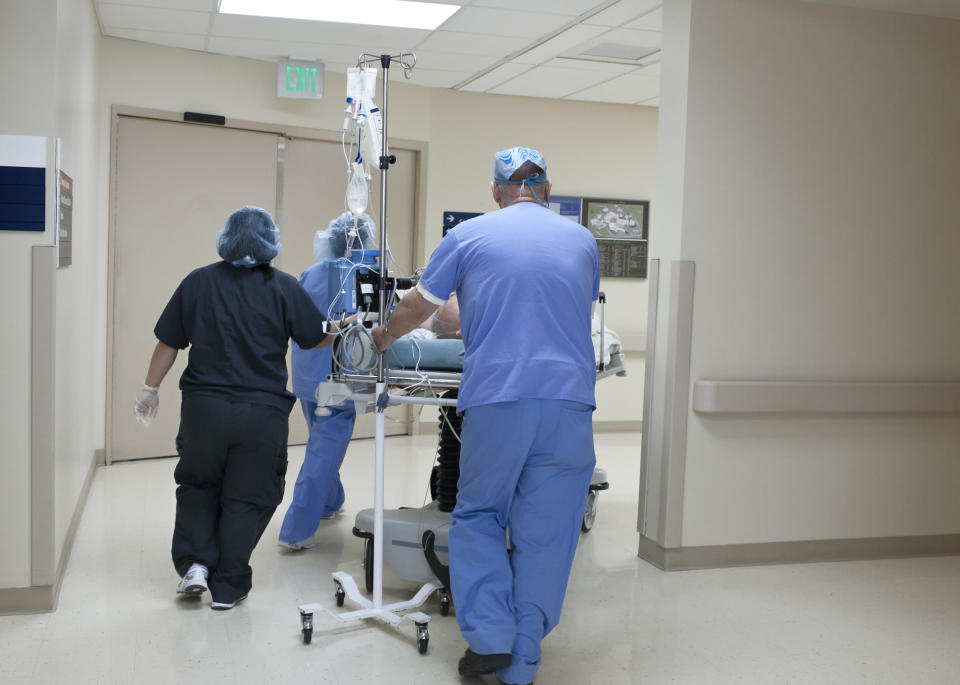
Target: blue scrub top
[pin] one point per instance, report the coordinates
(309, 368)
(525, 279)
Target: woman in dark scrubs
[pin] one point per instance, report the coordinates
(237, 316)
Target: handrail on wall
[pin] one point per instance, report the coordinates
(801, 397)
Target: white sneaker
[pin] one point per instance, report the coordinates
(194, 581)
(296, 546)
(223, 606)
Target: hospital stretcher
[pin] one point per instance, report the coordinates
(415, 539)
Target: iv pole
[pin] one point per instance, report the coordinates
(346, 587)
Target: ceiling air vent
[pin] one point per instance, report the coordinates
(619, 51)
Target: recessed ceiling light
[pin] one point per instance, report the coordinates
(398, 13)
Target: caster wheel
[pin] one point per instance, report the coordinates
(368, 564)
(340, 595)
(423, 638)
(444, 603)
(590, 511)
(306, 630)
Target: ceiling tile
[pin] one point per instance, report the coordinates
(498, 22)
(568, 8)
(652, 69)
(567, 40)
(173, 40)
(629, 88)
(633, 37)
(335, 57)
(652, 21)
(470, 43)
(548, 82)
(437, 78)
(452, 61)
(196, 5)
(153, 19)
(590, 65)
(504, 72)
(622, 12)
(366, 38)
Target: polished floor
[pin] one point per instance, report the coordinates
(624, 621)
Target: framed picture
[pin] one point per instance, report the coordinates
(616, 219)
(621, 229)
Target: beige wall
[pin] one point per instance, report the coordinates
(49, 49)
(819, 188)
(27, 49)
(592, 149)
(81, 288)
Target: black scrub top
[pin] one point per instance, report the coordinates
(237, 324)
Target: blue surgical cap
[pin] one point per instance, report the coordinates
(331, 243)
(249, 238)
(506, 162)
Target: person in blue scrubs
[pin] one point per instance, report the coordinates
(525, 279)
(236, 316)
(318, 493)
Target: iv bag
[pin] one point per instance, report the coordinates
(357, 190)
(371, 134)
(361, 83)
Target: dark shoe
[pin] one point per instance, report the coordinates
(479, 664)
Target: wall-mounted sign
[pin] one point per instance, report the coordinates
(63, 235)
(621, 229)
(566, 205)
(300, 79)
(451, 219)
(23, 161)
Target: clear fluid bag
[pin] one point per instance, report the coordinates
(357, 190)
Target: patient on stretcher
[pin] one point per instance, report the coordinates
(443, 324)
(435, 344)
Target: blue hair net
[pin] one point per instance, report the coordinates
(331, 244)
(506, 162)
(249, 238)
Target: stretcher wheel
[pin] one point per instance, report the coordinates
(306, 627)
(368, 564)
(423, 638)
(340, 594)
(444, 602)
(590, 511)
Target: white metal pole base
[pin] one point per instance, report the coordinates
(347, 587)
(390, 613)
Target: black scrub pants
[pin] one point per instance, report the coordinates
(230, 478)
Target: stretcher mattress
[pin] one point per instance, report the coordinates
(437, 355)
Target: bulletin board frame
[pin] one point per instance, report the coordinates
(621, 228)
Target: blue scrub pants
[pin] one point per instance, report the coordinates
(525, 465)
(318, 493)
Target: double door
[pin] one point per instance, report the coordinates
(174, 184)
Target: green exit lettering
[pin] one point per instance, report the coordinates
(301, 80)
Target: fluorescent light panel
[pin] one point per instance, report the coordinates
(398, 13)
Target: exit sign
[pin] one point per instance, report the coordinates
(300, 79)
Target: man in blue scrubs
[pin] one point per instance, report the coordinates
(318, 493)
(525, 280)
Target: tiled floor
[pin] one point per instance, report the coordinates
(624, 621)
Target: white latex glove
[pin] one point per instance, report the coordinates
(146, 404)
